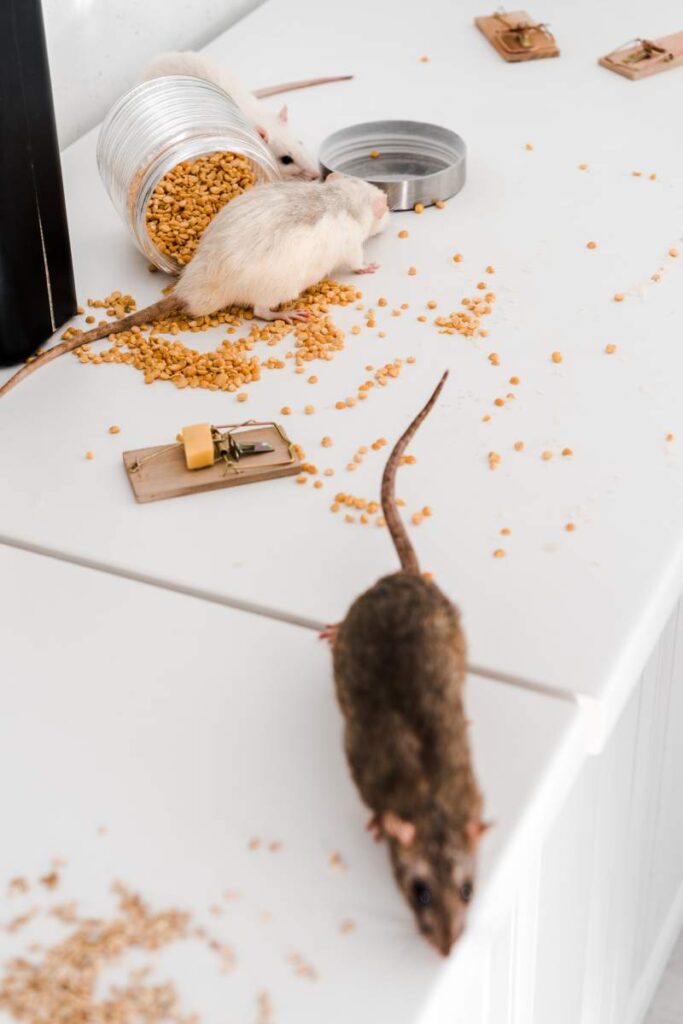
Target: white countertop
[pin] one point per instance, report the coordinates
(153, 736)
(578, 612)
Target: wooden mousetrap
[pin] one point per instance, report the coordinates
(516, 36)
(243, 453)
(643, 57)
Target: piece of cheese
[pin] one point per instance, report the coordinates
(198, 444)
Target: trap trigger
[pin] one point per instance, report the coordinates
(240, 448)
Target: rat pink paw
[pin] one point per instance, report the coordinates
(299, 315)
(330, 634)
(375, 827)
(369, 269)
(288, 315)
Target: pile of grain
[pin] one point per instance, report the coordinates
(62, 984)
(232, 364)
(188, 198)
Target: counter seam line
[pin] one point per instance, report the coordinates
(263, 610)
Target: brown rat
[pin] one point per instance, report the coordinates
(263, 249)
(399, 669)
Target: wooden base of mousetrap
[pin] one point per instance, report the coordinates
(161, 472)
(516, 36)
(644, 57)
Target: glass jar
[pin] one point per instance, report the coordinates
(158, 125)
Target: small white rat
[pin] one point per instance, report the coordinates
(290, 155)
(264, 248)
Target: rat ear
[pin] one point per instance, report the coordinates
(475, 829)
(398, 828)
(283, 113)
(263, 132)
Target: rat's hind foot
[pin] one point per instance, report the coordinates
(289, 315)
(374, 826)
(370, 268)
(330, 634)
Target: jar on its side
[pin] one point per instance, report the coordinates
(158, 125)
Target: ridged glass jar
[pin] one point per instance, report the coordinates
(159, 124)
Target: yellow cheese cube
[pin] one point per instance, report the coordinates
(198, 445)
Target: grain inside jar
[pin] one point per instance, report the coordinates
(189, 196)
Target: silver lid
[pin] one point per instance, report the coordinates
(414, 163)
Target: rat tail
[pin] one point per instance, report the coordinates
(157, 311)
(275, 90)
(402, 543)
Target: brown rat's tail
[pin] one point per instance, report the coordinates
(402, 543)
(157, 311)
(275, 90)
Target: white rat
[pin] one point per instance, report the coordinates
(292, 159)
(264, 248)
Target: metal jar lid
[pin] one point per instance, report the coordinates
(413, 162)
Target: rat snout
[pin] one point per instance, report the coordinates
(310, 175)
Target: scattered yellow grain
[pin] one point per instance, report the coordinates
(570, 527)
(90, 455)
(546, 455)
(242, 396)
(309, 409)
(591, 245)
(567, 451)
(419, 208)
(114, 430)
(610, 349)
(518, 446)
(412, 271)
(618, 296)
(499, 553)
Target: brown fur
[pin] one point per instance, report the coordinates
(399, 667)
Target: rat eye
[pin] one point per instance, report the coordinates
(422, 894)
(286, 159)
(466, 892)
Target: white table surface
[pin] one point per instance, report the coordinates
(573, 612)
(184, 730)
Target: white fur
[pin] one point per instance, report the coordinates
(271, 126)
(271, 243)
